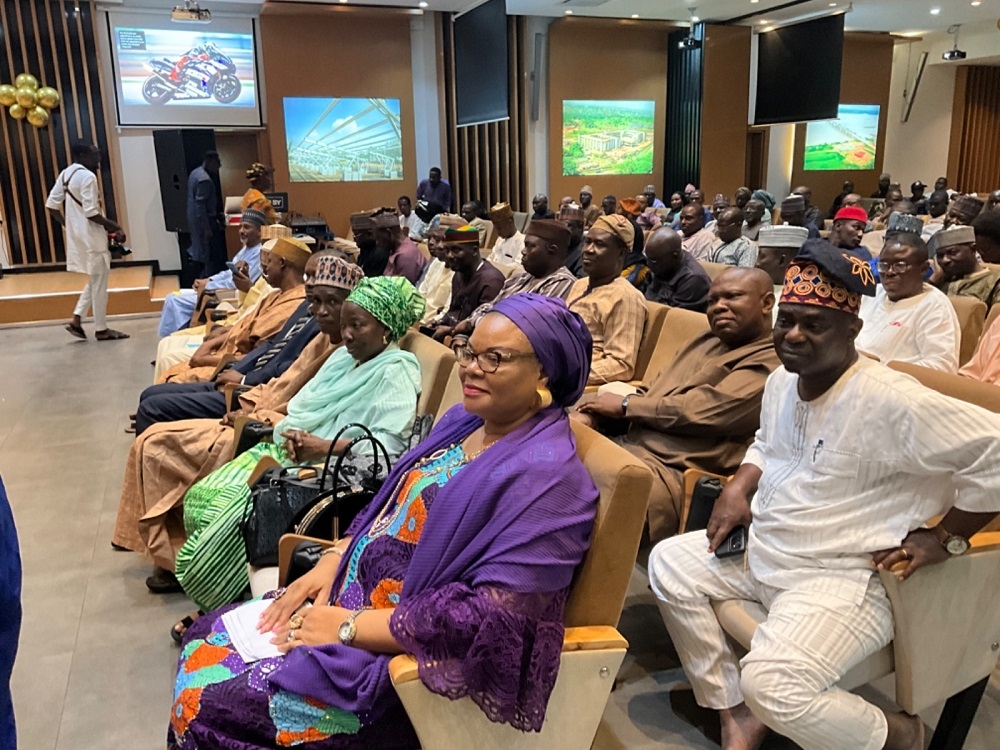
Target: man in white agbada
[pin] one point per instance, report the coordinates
(509, 247)
(75, 202)
(850, 460)
(179, 306)
(908, 320)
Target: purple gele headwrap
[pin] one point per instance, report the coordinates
(560, 338)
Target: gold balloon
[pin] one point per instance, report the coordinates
(8, 94)
(26, 80)
(18, 112)
(48, 97)
(39, 117)
(26, 97)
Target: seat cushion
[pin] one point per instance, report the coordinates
(740, 618)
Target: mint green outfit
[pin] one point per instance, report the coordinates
(380, 394)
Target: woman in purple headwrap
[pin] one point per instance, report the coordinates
(464, 560)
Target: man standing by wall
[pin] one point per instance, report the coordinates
(203, 212)
(434, 189)
(75, 202)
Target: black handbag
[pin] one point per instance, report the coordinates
(281, 499)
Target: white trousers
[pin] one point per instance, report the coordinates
(797, 656)
(95, 295)
(174, 349)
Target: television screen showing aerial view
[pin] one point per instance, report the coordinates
(607, 137)
(845, 143)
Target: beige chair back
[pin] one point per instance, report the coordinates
(971, 320)
(656, 314)
(437, 362)
(991, 317)
(776, 215)
(597, 594)
(714, 270)
(679, 327)
(521, 220)
(984, 395)
(452, 394)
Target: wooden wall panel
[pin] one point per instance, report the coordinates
(593, 58)
(866, 75)
(725, 104)
(337, 51)
(484, 162)
(976, 135)
(55, 41)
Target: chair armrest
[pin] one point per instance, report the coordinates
(287, 544)
(691, 477)
(231, 393)
(947, 621)
(403, 668)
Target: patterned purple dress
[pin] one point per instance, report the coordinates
(222, 702)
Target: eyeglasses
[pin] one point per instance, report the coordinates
(898, 267)
(489, 362)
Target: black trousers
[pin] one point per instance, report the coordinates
(172, 402)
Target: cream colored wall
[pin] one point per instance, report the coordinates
(918, 149)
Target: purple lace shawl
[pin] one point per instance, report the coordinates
(482, 601)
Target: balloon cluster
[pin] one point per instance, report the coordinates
(28, 101)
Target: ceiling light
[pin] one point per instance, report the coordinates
(763, 22)
(635, 15)
(569, 12)
(976, 3)
(935, 11)
(768, 28)
(833, 5)
(754, 1)
(422, 4)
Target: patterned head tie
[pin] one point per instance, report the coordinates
(392, 301)
(823, 275)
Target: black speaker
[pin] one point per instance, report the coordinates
(178, 153)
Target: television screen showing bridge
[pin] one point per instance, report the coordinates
(607, 137)
(343, 140)
(849, 142)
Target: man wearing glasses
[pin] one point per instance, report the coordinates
(732, 248)
(908, 320)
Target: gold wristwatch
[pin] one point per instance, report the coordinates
(955, 545)
(348, 630)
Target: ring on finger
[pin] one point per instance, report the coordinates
(291, 636)
(906, 553)
(295, 622)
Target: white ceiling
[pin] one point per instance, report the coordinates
(867, 15)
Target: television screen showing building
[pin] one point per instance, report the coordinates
(607, 137)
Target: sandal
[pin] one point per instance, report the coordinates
(109, 334)
(181, 627)
(76, 330)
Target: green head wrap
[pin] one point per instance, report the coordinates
(392, 300)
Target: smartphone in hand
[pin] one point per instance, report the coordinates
(734, 545)
(232, 266)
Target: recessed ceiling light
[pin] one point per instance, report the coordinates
(635, 15)
(422, 3)
(976, 3)
(935, 11)
(763, 22)
(695, 19)
(569, 12)
(768, 28)
(754, 1)
(833, 5)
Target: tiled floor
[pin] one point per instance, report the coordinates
(96, 663)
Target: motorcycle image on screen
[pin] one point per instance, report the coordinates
(202, 72)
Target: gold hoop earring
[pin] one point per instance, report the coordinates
(544, 398)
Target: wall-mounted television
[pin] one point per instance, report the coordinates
(333, 139)
(607, 137)
(848, 142)
(184, 75)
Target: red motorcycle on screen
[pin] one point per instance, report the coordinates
(203, 72)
